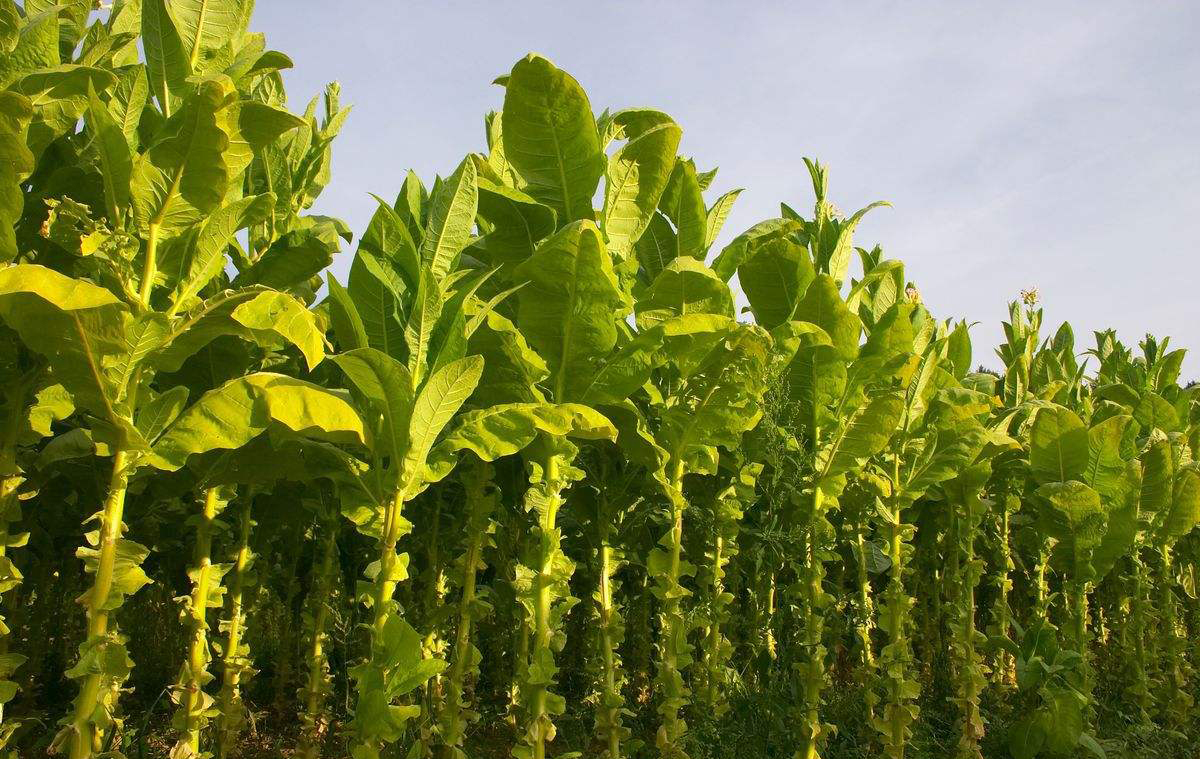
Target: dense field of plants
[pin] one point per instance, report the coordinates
(529, 483)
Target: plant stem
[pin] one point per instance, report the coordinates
(478, 509)
(86, 738)
(314, 718)
(150, 265)
(230, 718)
(674, 693)
(814, 603)
(195, 673)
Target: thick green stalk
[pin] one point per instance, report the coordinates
(194, 675)
(150, 264)
(369, 737)
(455, 705)
(815, 601)
(546, 594)
(895, 661)
(674, 649)
(728, 513)
(314, 718)
(1077, 593)
(98, 692)
(712, 633)
(1139, 676)
(288, 644)
(968, 671)
(612, 629)
(1175, 702)
(1004, 670)
(396, 664)
(235, 654)
(866, 607)
(1041, 583)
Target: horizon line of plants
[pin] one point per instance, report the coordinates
(530, 450)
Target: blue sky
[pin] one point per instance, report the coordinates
(1040, 145)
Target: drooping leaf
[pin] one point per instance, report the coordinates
(232, 415)
(685, 287)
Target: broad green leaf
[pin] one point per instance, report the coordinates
(505, 429)
(166, 59)
(196, 258)
(276, 313)
(683, 204)
(160, 410)
(1058, 445)
(1184, 513)
(517, 222)
(730, 258)
(685, 287)
(511, 369)
(822, 305)
(207, 27)
(35, 46)
(865, 434)
(1121, 529)
(59, 97)
(127, 99)
(437, 403)
(295, 258)
(388, 237)
(958, 349)
(411, 205)
(77, 326)
(1106, 467)
(567, 309)
(1154, 412)
(719, 399)
(377, 288)
(115, 158)
(816, 379)
(656, 247)
(250, 314)
(16, 163)
(550, 137)
(775, 277)
(348, 328)
(622, 372)
(948, 450)
(717, 214)
(232, 415)
(183, 177)
(636, 176)
(1158, 477)
(422, 318)
(1075, 517)
(451, 218)
(383, 381)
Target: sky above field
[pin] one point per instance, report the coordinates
(1024, 146)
